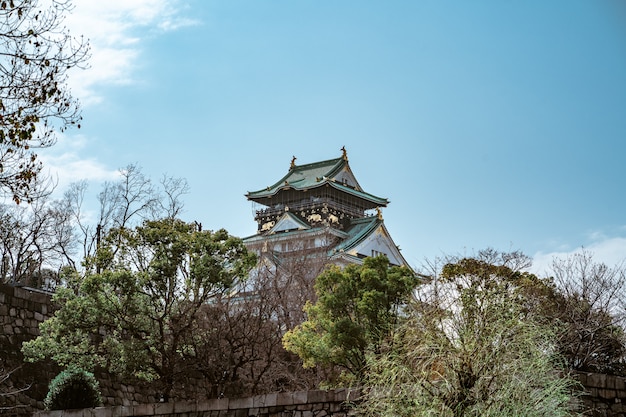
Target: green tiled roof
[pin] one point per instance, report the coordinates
(382, 202)
(291, 233)
(358, 230)
(317, 174)
(302, 177)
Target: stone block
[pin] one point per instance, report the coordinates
(335, 407)
(300, 397)
(185, 407)
(319, 396)
(610, 382)
(213, 404)
(121, 411)
(596, 380)
(607, 394)
(85, 412)
(241, 412)
(284, 398)
(318, 406)
(267, 400)
(143, 410)
(41, 299)
(164, 408)
(238, 403)
(102, 412)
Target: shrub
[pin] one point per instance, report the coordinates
(73, 388)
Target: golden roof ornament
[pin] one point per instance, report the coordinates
(293, 162)
(344, 153)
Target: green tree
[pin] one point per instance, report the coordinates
(357, 308)
(36, 54)
(470, 347)
(139, 316)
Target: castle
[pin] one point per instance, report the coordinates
(321, 206)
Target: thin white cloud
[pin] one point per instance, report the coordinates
(115, 30)
(608, 250)
(65, 165)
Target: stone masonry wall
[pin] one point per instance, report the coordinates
(21, 312)
(604, 396)
(334, 403)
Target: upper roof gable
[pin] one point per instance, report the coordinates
(335, 172)
(304, 176)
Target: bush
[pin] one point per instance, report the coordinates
(73, 388)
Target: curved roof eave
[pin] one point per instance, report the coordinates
(289, 234)
(357, 234)
(308, 172)
(379, 201)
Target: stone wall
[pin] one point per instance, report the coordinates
(335, 403)
(21, 311)
(604, 396)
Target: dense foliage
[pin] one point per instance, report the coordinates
(357, 308)
(138, 317)
(73, 388)
(469, 347)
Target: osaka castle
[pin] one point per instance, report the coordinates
(320, 207)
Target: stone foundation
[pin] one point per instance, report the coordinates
(335, 403)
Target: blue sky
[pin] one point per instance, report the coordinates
(486, 124)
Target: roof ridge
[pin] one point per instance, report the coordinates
(318, 163)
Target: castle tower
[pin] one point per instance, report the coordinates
(321, 206)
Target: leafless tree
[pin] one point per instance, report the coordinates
(170, 203)
(239, 349)
(35, 241)
(589, 305)
(123, 204)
